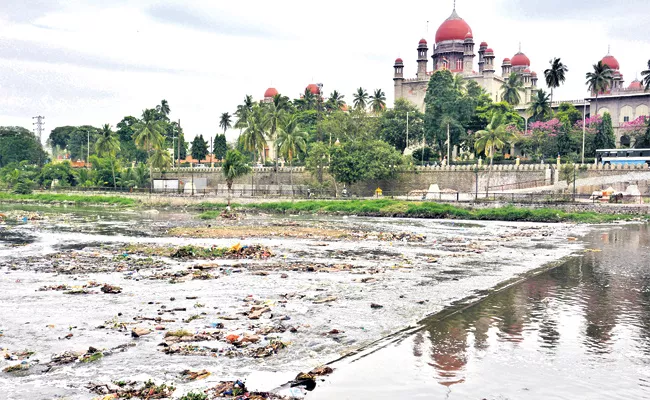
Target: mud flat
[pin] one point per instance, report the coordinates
(91, 302)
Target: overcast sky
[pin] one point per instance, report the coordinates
(93, 62)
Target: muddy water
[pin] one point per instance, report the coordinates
(581, 331)
(410, 280)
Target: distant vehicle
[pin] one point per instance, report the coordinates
(623, 157)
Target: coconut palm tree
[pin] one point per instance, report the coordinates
(540, 107)
(225, 122)
(253, 138)
(511, 88)
(599, 80)
(275, 113)
(646, 77)
(243, 111)
(163, 108)
(555, 75)
(148, 135)
(335, 102)
(459, 83)
(292, 142)
(108, 144)
(361, 99)
(160, 159)
(233, 167)
(494, 136)
(378, 101)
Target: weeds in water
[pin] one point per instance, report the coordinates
(178, 333)
(194, 396)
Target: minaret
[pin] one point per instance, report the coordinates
(533, 79)
(506, 68)
(468, 55)
(398, 78)
(481, 57)
(488, 68)
(423, 49)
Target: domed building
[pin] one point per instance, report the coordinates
(454, 50)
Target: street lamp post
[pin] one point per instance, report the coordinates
(584, 130)
(407, 130)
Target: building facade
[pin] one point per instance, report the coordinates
(454, 50)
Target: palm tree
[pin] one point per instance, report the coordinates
(335, 102)
(599, 80)
(494, 136)
(253, 138)
(511, 88)
(361, 99)
(233, 167)
(148, 135)
(292, 142)
(540, 106)
(225, 122)
(459, 83)
(378, 101)
(555, 75)
(163, 108)
(160, 159)
(243, 111)
(646, 77)
(107, 144)
(274, 116)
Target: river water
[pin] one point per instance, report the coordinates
(579, 331)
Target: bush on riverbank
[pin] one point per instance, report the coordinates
(49, 198)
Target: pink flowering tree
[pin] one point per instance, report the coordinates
(636, 128)
(591, 124)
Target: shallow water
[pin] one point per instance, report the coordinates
(408, 286)
(580, 331)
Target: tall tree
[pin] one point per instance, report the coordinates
(335, 102)
(233, 167)
(225, 122)
(220, 147)
(643, 141)
(361, 99)
(253, 138)
(393, 125)
(646, 77)
(459, 82)
(494, 137)
(378, 101)
(605, 138)
(555, 75)
(149, 135)
(243, 111)
(199, 148)
(599, 80)
(108, 144)
(511, 88)
(292, 142)
(540, 107)
(160, 159)
(163, 108)
(18, 144)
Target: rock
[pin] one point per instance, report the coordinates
(284, 276)
(325, 300)
(137, 332)
(321, 371)
(110, 289)
(160, 328)
(250, 338)
(376, 306)
(194, 376)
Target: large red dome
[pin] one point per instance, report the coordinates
(520, 60)
(270, 92)
(313, 88)
(454, 28)
(611, 61)
(635, 85)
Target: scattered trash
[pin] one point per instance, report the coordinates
(194, 376)
(376, 306)
(110, 289)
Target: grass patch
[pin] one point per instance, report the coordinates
(425, 210)
(178, 333)
(67, 198)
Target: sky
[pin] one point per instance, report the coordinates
(92, 62)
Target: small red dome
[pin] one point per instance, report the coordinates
(534, 73)
(527, 71)
(635, 85)
(483, 44)
(612, 62)
(454, 28)
(399, 61)
(489, 51)
(520, 60)
(313, 88)
(270, 92)
(423, 41)
(505, 60)
(469, 35)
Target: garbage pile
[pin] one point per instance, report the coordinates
(388, 236)
(237, 390)
(131, 390)
(254, 252)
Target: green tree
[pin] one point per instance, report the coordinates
(378, 101)
(361, 99)
(511, 89)
(599, 80)
(362, 160)
(555, 75)
(540, 107)
(317, 159)
(199, 148)
(220, 147)
(125, 133)
(254, 137)
(233, 167)
(160, 159)
(225, 122)
(643, 141)
(494, 137)
(61, 172)
(149, 135)
(243, 112)
(460, 83)
(18, 144)
(605, 138)
(335, 102)
(60, 136)
(392, 125)
(646, 77)
(82, 142)
(568, 112)
(107, 145)
(163, 108)
(292, 143)
(307, 101)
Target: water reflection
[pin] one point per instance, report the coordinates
(594, 312)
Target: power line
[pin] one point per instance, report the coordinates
(39, 126)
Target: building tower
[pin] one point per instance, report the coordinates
(468, 56)
(423, 49)
(533, 79)
(399, 77)
(617, 77)
(506, 68)
(481, 57)
(488, 68)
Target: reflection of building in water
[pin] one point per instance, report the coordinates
(449, 350)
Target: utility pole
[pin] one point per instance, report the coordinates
(39, 126)
(173, 139)
(407, 130)
(88, 153)
(448, 146)
(179, 143)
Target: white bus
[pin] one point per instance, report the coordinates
(623, 156)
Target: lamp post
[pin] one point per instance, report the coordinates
(584, 130)
(407, 131)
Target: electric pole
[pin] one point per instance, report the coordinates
(39, 126)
